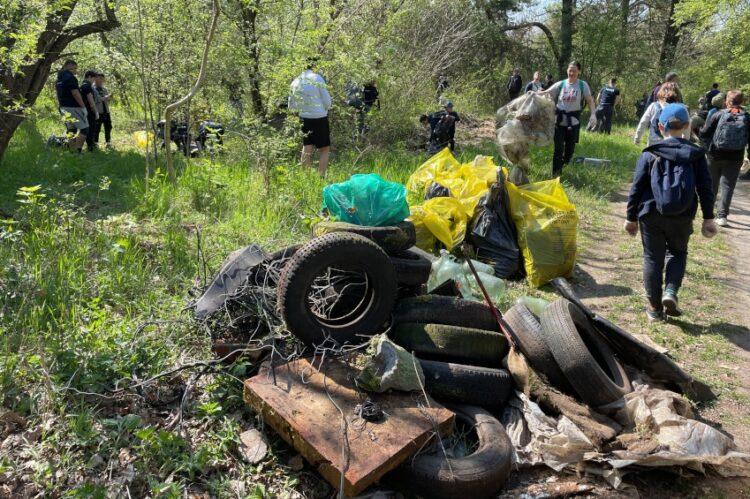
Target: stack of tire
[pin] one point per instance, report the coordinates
(461, 353)
(564, 346)
(456, 341)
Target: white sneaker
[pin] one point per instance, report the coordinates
(722, 222)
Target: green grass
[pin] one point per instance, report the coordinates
(96, 270)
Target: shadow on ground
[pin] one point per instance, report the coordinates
(104, 182)
(587, 287)
(737, 334)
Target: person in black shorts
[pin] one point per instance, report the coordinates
(310, 98)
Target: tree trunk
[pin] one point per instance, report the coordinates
(671, 39)
(622, 37)
(566, 37)
(249, 11)
(24, 86)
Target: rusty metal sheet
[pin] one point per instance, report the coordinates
(300, 403)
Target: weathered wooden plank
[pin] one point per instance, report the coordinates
(298, 407)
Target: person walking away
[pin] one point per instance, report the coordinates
(102, 107)
(712, 93)
(515, 84)
(662, 203)
(670, 77)
(71, 105)
(608, 98)
(548, 82)
(669, 93)
(726, 135)
(442, 85)
(309, 97)
(570, 95)
(89, 99)
(535, 84)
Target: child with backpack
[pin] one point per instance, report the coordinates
(570, 96)
(670, 178)
(726, 135)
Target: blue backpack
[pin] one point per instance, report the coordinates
(673, 185)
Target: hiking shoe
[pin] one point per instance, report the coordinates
(670, 304)
(655, 315)
(722, 222)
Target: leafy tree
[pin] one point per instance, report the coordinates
(35, 34)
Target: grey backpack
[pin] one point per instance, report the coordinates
(731, 132)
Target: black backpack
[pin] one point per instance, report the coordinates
(731, 132)
(442, 130)
(673, 185)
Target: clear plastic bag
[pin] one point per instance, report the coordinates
(367, 199)
(529, 119)
(448, 267)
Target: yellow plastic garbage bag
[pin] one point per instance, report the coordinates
(143, 139)
(438, 166)
(547, 224)
(443, 218)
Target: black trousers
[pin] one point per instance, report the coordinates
(105, 121)
(566, 138)
(93, 132)
(665, 244)
(606, 117)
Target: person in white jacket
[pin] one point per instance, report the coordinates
(309, 97)
(669, 93)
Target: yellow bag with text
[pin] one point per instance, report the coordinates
(547, 224)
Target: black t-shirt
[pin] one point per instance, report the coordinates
(608, 95)
(86, 90)
(66, 82)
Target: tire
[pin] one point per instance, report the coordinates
(445, 310)
(479, 475)
(586, 360)
(527, 333)
(345, 251)
(392, 238)
(464, 384)
(452, 343)
(412, 269)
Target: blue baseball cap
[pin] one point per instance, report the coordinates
(448, 104)
(674, 116)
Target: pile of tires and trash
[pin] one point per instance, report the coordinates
(538, 383)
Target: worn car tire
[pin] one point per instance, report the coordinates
(479, 475)
(464, 384)
(345, 251)
(445, 310)
(526, 331)
(584, 357)
(392, 238)
(412, 269)
(451, 343)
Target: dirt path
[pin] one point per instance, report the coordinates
(608, 278)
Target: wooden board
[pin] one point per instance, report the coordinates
(294, 401)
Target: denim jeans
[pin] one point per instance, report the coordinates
(665, 243)
(724, 172)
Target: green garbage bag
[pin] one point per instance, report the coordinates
(367, 199)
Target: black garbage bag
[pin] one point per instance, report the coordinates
(493, 233)
(436, 190)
